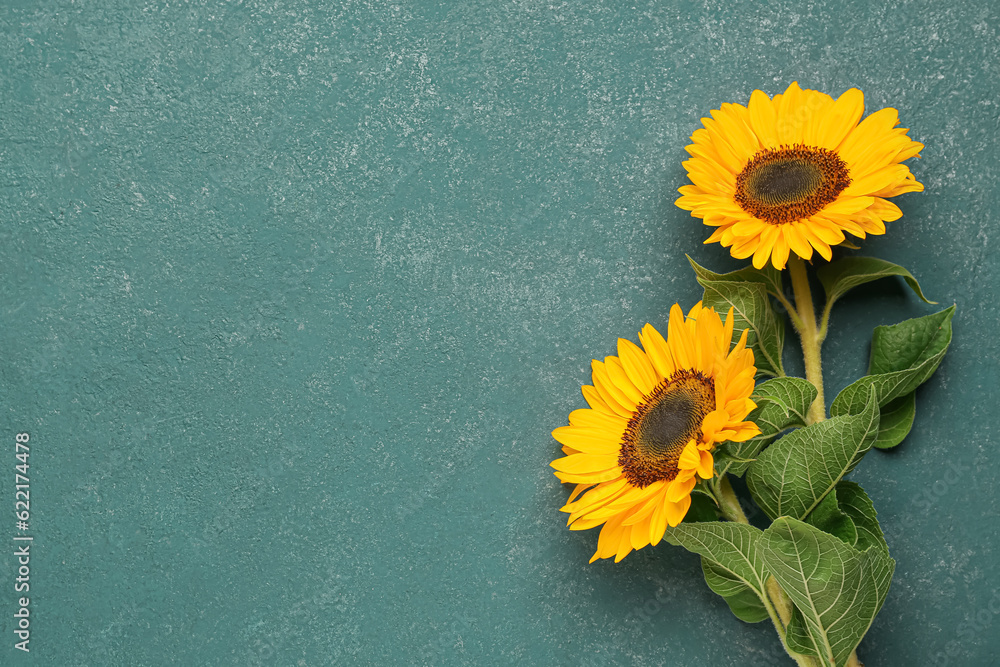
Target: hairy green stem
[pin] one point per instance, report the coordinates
(809, 335)
(803, 660)
(780, 601)
(824, 321)
(728, 502)
(790, 309)
(783, 606)
(800, 660)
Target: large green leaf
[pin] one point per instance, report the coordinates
(769, 276)
(845, 274)
(792, 476)
(830, 518)
(742, 600)
(855, 503)
(903, 357)
(752, 310)
(781, 403)
(837, 589)
(733, 547)
(896, 421)
(847, 512)
(910, 343)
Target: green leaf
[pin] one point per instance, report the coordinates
(733, 547)
(896, 421)
(849, 502)
(742, 600)
(752, 310)
(702, 509)
(910, 343)
(828, 517)
(837, 589)
(855, 503)
(903, 357)
(797, 635)
(769, 276)
(845, 274)
(791, 477)
(781, 403)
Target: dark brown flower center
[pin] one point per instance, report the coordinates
(662, 425)
(790, 183)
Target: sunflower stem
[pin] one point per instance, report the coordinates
(779, 609)
(781, 602)
(728, 502)
(780, 629)
(809, 335)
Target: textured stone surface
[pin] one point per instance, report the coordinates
(294, 293)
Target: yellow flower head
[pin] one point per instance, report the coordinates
(794, 172)
(656, 413)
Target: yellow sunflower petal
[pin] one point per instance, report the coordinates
(614, 397)
(580, 488)
(583, 463)
(638, 536)
(658, 522)
(680, 489)
(790, 115)
(646, 509)
(622, 382)
(676, 511)
(637, 366)
(763, 119)
(658, 351)
(841, 118)
(587, 440)
(589, 477)
(885, 209)
(594, 400)
(689, 458)
(765, 246)
(598, 419)
(779, 256)
(707, 465)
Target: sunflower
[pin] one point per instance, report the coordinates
(794, 172)
(655, 416)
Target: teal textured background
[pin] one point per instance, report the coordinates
(294, 292)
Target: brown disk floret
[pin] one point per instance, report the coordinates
(662, 425)
(790, 183)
